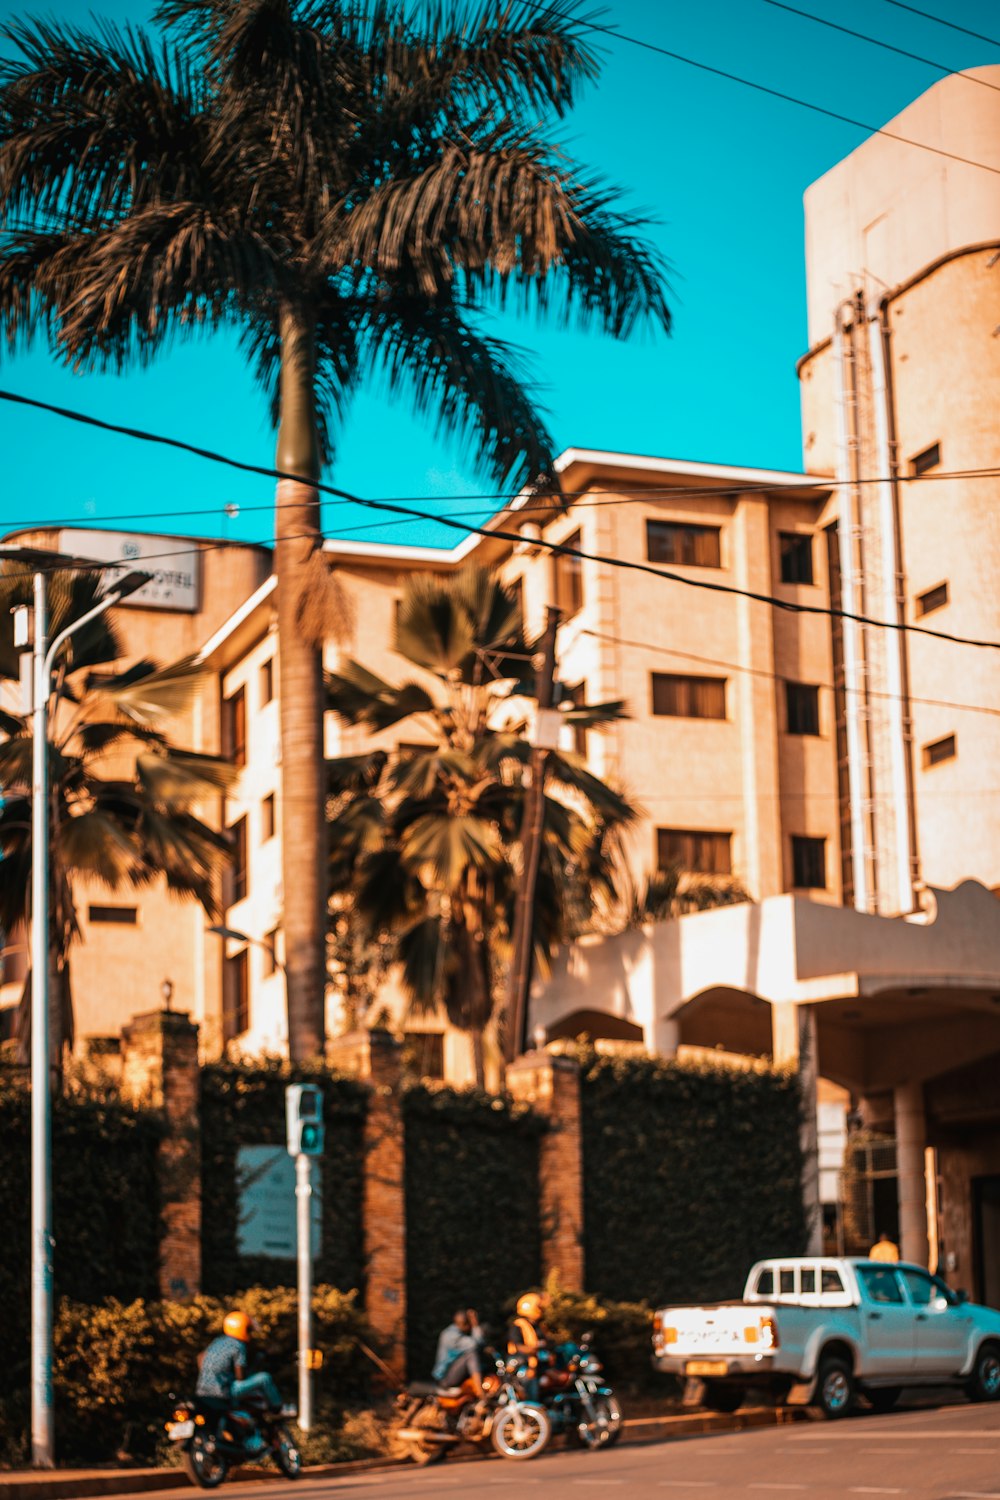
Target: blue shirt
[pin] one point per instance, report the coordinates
(451, 1344)
(218, 1368)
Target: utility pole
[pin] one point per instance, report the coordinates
(43, 656)
(303, 1219)
(546, 737)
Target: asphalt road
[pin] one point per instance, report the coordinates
(948, 1454)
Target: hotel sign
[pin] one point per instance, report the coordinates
(173, 561)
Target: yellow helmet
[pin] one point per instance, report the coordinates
(237, 1325)
(530, 1306)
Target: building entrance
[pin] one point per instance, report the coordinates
(986, 1206)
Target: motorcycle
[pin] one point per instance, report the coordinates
(577, 1399)
(436, 1418)
(217, 1436)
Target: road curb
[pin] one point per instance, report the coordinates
(81, 1485)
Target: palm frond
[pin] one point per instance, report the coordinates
(150, 695)
(450, 846)
(360, 697)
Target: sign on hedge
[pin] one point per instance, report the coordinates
(265, 1183)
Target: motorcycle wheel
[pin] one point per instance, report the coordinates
(287, 1455)
(606, 1429)
(521, 1430)
(427, 1452)
(205, 1469)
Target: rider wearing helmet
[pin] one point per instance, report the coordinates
(222, 1368)
(526, 1336)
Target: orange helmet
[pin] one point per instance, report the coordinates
(237, 1325)
(530, 1306)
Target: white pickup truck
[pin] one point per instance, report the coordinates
(814, 1332)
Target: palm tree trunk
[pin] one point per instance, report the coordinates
(303, 810)
(478, 1061)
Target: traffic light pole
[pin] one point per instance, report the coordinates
(303, 1219)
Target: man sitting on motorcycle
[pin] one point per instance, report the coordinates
(526, 1337)
(459, 1352)
(222, 1369)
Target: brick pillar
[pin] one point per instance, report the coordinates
(160, 1071)
(376, 1057)
(551, 1084)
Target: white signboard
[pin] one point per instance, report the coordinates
(265, 1185)
(173, 562)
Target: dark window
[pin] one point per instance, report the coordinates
(830, 1280)
(267, 818)
(807, 1280)
(928, 459)
(234, 727)
(808, 862)
(935, 598)
(786, 1282)
(682, 697)
(880, 1284)
(940, 750)
(679, 542)
(802, 708)
(237, 874)
(271, 942)
(577, 695)
(796, 549)
(694, 849)
(123, 916)
(235, 996)
(425, 1053)
(569, 578)
(765, 1283)
(266, 681)
(516, 588)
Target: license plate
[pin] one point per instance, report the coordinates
(178, 1431)
(706, 1367)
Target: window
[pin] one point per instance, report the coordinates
(694, 849)
(765, 1283)
(801, 708)
(123, 916)
(880, 1285)
(235, 996)
(808, 1280)
(266, 681)
(237, 874)
(786, 1281)
(569, 578)
(939, 750)
(681, 542)
(577, 695)
(689, 697)
(234, 727)
(935, 598)
(267, 818)
(928, 459)
(796, 549)
(271, 942)
(830, 1280)
(924, 1288)
(425, 1053)
(808, 862)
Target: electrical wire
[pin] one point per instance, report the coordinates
(861, 36)
(940, 21)
(558, 549)
(763, 88)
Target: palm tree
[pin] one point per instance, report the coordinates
(425, 840)
(675, 892)
(123, 800)
(348, 186)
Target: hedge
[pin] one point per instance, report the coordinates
(691, 1173)
(472, 1233)
(244, 1105)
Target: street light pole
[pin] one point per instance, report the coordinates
(42, 1454)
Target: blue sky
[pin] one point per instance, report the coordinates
(722, 170)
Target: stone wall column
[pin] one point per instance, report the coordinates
(911, 1142)
(551, 1084)
(160, 1071)
(793, 1045)
(376, 1057)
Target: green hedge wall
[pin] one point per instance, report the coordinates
(472, 1237)
(691, 1173)
(105, 1217)
(245, 1106)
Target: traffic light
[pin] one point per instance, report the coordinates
(304, 1119)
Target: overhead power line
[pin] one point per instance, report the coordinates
(940, 21)
(873, 41)
(493, 533)
(763, 88)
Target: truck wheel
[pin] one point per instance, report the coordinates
(834, 1390)
(984, 1384)
(884, 1397)
(723, 1398)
